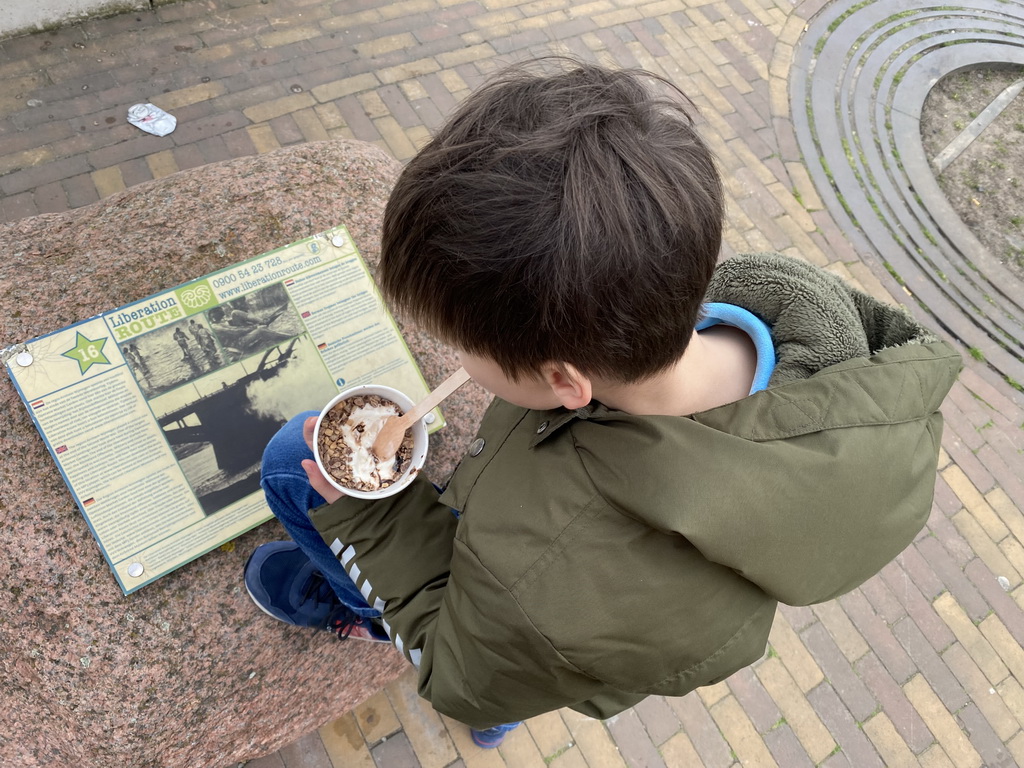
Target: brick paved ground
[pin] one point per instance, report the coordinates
(921, 666)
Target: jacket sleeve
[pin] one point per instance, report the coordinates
(398, 552)
(480, 658)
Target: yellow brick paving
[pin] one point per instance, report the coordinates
(289, 71)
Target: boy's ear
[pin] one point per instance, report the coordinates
(572, 388)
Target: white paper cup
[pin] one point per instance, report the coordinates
(419, 441)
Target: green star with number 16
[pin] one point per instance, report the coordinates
(87, 352)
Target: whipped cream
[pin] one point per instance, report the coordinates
(358, 432)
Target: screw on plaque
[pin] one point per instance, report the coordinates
(17, 353)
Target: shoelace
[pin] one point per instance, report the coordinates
(341, 621)
(318, 590)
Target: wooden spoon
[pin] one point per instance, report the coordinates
(389, 439)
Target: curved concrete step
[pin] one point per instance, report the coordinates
(858, 82)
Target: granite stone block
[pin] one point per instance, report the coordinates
(187, 671)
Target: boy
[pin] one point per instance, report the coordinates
(672, 449)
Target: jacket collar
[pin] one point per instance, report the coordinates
(547, 423)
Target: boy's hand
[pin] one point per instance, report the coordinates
(316, 477)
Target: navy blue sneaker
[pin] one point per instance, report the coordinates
(284, 584)
(489, 738)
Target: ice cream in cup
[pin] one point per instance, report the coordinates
(344, 435)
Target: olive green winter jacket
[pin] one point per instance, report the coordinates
(602, 557)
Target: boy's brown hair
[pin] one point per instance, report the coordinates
(571, 217)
